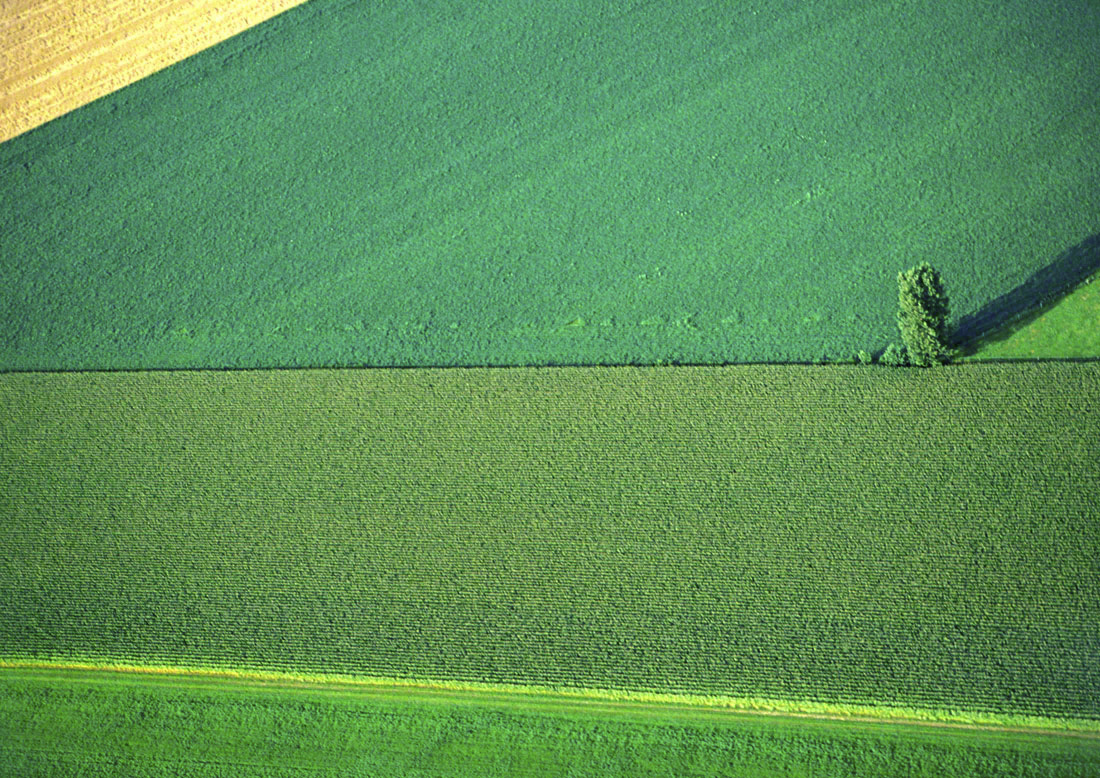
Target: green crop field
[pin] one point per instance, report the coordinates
(580, 182)
(725, 569)
(861, 536)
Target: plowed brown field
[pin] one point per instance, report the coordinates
(57, 55)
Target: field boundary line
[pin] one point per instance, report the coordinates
(94, 56)
(569, 697)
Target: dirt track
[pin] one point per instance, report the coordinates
(57, 55)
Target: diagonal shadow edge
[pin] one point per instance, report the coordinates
(1073, 267)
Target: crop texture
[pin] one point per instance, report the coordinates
(404, 184)
(925, 538)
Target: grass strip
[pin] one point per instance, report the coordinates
(564, 698)
(59, 721)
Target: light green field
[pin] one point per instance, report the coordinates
(61, 723)
(922, 539)
(1069, 328)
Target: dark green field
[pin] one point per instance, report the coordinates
(572, 182)
(922, 539)
(101, 724)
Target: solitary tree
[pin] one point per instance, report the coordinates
(922, 317)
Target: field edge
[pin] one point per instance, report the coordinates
(625, 701)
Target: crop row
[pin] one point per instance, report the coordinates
(437, 524)
(648, 634)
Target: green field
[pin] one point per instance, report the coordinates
(579, 182)
(55, 723)
(1068, 328)
(753, 532)
(741, 570)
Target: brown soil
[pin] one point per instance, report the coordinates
(57, 55)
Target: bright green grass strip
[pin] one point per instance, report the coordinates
(60, 723)
(849, 536)
(1068, 329)
(541, 696)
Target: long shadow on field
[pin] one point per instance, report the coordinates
(1067, 272)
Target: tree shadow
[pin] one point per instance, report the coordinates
(1071, 269)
